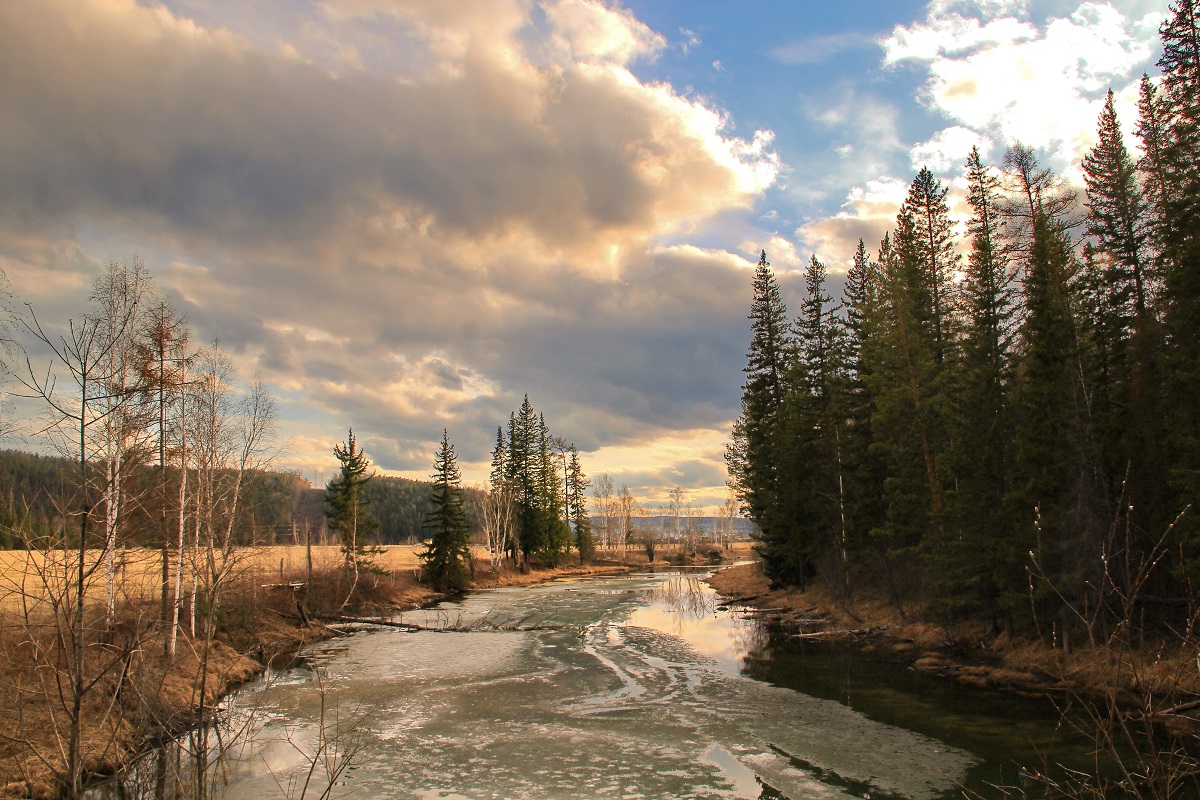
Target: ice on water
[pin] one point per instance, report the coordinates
(616, 687)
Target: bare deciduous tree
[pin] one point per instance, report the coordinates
(603, 492)
(76, 393)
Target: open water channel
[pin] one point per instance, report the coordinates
(617, 687)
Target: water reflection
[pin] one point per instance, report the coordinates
(687, 607)
(244, 738)
(193, 766)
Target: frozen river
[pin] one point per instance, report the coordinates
(619, 687)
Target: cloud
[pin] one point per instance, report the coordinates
(690, 458)
(590, 31)
(397, 244)
(1011, 79)
(868, 213)
(815, 49)
(690, 39)
(947, 150)
(864, 143)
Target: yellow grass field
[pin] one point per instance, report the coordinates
(26, 574)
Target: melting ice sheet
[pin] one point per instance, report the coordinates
(614, 687)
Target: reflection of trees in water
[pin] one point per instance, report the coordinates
(686, 595)
(749, 636)
(202, 763)
(691, 598)
(191, 766)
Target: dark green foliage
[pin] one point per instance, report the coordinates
(754, 457)
(1055, 472)
(905, 358)
(813, 424)
(543, 533)
(447, 556)
(974, 545)
(1178, 212)
(946, 421)
(347, 508)
(1115, 216)
(577, 484)
(32, 488)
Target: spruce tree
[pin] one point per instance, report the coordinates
(815, 465)
(925, 239)
(524, 474)
(1151, 130)
(903, 378)
(447, 556)
(577, 492)
(1179, 235)
(1115, 214)
(753, 458)
(556, 532)
(1055, 469)
(864, 468)
(976, 539)
(1121, 327)
(908, 372)
(347, 508)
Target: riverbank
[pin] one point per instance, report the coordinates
(1159, 681)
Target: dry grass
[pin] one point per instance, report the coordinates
(24, 573)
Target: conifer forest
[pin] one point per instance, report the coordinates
(1001, 413)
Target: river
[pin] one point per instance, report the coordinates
(617, 687)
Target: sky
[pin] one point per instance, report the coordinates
(405, 215)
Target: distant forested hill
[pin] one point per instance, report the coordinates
(276, 506)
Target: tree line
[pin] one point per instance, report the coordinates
(280, 507)
(1013, 434)
(535, 511)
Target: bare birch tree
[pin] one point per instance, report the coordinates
(81, 359)
(117, 298)
(626, 507)
(603, 492)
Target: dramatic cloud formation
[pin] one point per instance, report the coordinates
(399, 251)
(405, 214)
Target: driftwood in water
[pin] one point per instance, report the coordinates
(479, 625)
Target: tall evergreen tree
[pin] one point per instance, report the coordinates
(543, 533)
(577, 492)
(1121, 326)
(815, 420)
(1115, 213)
(925, 240)
(904, 380)
(1151, 130)
(1054, 469)
(754, 455)
(347, 509)
(446, 561)
(865, 471)
(1179, 234)
(965, 558)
